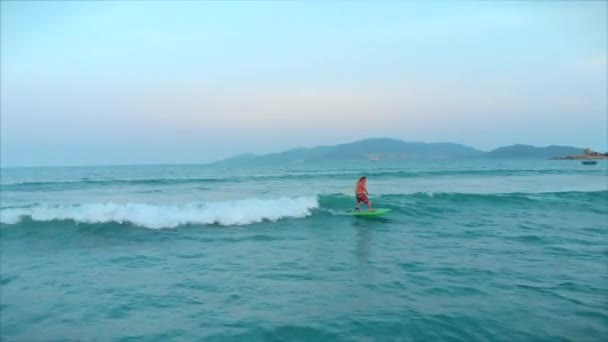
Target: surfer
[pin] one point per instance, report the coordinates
(361, 193)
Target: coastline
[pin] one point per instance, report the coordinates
(588, 155)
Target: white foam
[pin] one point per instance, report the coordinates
(228, 213)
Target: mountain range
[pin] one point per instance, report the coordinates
(379, 149)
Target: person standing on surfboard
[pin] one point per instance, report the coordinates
(361, 193)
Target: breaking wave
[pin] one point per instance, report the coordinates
(248, 211)
(226, 213)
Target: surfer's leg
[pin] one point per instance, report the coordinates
(369, 203)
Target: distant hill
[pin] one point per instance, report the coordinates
(393, 149)
(528, 151)
(364, 150)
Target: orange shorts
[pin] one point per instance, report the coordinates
(362, 198)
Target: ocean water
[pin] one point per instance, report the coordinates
(471, 251)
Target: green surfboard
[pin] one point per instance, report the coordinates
(367, 213)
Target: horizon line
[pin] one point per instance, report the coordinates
(260, 154)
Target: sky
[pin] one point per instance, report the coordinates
(138, 82)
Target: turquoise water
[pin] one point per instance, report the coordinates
(471, 251)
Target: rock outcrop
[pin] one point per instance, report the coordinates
(588, 154)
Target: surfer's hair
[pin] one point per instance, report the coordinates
(362, 178)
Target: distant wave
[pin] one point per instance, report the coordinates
(248, 211)
(84, 183)
(291, 175)
(447, 199)
(227, 213)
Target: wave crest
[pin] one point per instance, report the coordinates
(240, 212)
